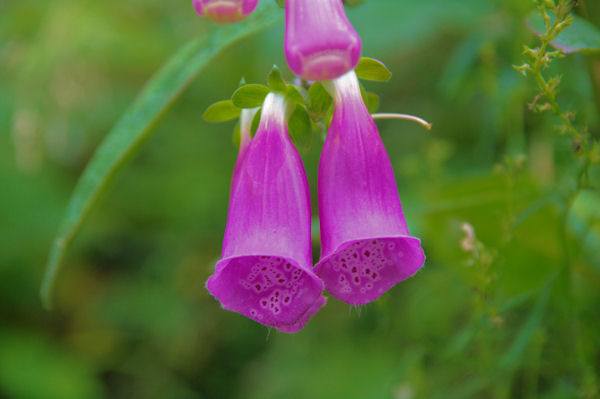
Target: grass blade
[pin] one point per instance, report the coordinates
(136, 125)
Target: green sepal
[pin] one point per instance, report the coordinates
(320, 100)
(319, 129)
(296, 95)
(372, 69)
(300, 128)
(372, 102)
(363, 94)
(221, 111)
(275, 81)
(255, 122)
(250, 96)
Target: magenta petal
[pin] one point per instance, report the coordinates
(225, 11)
(266, 270)
(271, 290)
(320, 43)
(366, 247)
(360, 271)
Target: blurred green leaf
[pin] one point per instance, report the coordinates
(513, 357)
(276, 82)
(221, 111)
(579, 37)
(372, 69)
(139, 121)
(32, 367)
(250, 96)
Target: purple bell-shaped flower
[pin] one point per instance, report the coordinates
(320, 43)
(225, 11)
(366, 247)
(265, 272)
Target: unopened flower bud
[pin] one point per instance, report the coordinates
(320, 43)
(225, 11)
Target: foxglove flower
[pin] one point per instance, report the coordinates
(365, 244)
(225, 11)
(320, 43)
(266, 269)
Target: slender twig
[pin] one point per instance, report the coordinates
(404, 117)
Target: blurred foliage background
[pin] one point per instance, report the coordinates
(492, 314)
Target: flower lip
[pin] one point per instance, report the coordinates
(270, 289)
(361, 270)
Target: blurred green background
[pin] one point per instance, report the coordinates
(132, 317)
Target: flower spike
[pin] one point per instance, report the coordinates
(265, 272)
(320, 43)
(365, 245)
(225, 11)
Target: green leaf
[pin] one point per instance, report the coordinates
(136, 125)
(250, 96)
(221, 111)
(275, 81)
(363, 93)
(372, 69)
(281, 3)
(294, 94)
(300, 127)
(579, 37)
(320, 100)
(513, 357)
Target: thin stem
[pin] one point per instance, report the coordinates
(405, 117)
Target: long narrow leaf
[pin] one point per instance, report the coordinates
(515, 354)
(137, 123)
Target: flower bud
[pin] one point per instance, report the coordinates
(320, 43)
(225, 11)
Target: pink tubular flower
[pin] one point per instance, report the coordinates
(266, 270)
(225, 11)
(320, 43)
(366, 247)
